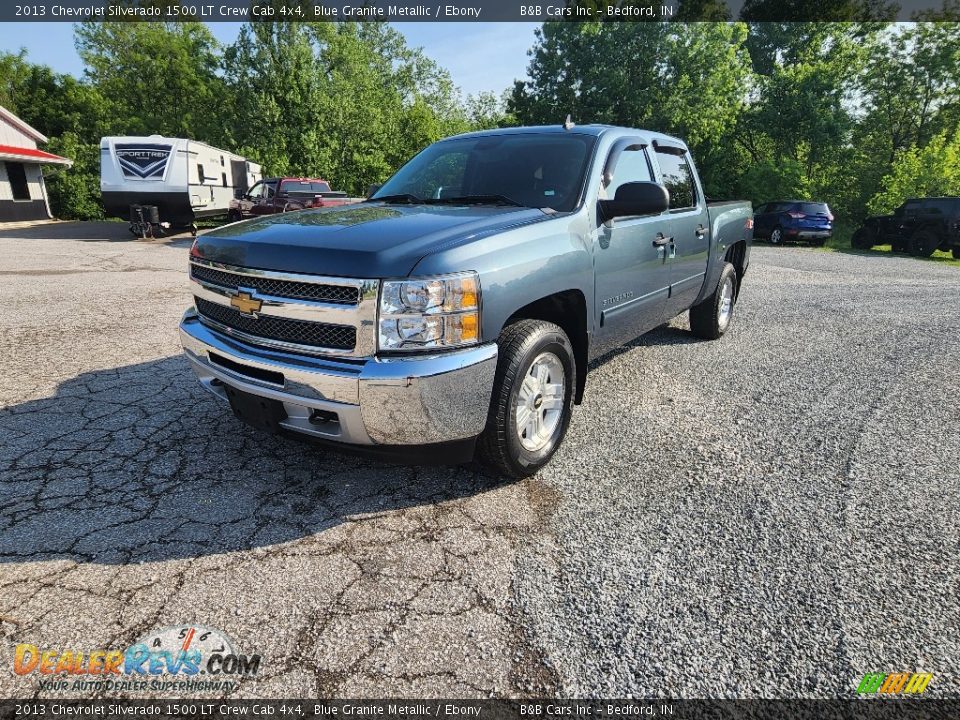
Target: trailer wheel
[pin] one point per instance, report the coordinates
(923, 243)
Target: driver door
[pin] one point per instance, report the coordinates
(632, 278)
(263, 204)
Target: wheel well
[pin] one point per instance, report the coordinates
(568, 309)
(736, 255)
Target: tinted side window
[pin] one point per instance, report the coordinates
(760, 210)
(632, 166)
(940, 207)
(678, 179)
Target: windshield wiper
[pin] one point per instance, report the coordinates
(479, 200)
(400, 197)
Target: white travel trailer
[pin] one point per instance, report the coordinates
(183, 179)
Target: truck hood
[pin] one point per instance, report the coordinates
(366, 240)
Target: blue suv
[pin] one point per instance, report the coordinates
(793, 220)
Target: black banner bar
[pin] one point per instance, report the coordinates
(873, 708)
(474, 10)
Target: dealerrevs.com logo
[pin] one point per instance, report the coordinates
(182, 658)
(894, 683)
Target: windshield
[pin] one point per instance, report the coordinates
(534, 170)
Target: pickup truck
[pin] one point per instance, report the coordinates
(277, 195)
(919, 226)
(459, 306)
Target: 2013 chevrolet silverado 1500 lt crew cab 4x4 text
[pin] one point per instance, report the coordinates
(461, 304)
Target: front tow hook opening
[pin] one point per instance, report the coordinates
(323, 417)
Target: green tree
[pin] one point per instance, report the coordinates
(687, 79)
(932, 170)
(155, 77)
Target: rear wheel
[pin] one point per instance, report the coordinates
(532, 398)
(711, 318)
(776, 235)
(924, 243)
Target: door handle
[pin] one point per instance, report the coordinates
(660, 240)
(701, 231)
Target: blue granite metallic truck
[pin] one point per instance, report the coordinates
(458, 307)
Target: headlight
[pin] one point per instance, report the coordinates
(429, 312)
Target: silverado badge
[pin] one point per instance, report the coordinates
(246, 303)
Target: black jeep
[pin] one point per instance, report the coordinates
(920, 226)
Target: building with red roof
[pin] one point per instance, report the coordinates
(23, 195)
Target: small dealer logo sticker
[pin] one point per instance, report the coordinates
(894, 683)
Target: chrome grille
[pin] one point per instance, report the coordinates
(310, 314)
(298, 332)
(315, 292)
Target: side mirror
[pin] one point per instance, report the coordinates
(636, 198)
(373, 189)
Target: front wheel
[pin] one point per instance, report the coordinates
(532, 398)
(711, 318)
(776, 235)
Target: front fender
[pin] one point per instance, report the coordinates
(521, 266)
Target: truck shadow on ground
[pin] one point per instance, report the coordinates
(88, 231)
(139, 463)
(667, 334)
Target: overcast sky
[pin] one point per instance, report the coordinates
(479, 56)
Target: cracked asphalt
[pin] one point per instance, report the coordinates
(774, 514)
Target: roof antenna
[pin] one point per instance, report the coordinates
(568, 123)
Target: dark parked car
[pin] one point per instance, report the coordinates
(920, 226)
(793, 220)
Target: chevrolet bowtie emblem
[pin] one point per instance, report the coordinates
(246, 303)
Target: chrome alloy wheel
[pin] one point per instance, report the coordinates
(776, 236)
(540, 402)
(725, 306)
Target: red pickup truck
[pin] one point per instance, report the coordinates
(277, 195)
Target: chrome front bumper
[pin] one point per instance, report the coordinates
(412, 400)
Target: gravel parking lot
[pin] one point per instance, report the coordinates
(774, 514)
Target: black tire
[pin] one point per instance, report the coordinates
(234, 216)
(707, 320)
(500, 446)
(863, 239)
(956, 252)
(776, 236)
(923, 243)
(898, 246)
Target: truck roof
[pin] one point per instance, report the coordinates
(593, 129)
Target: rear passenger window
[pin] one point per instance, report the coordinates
(632, 166)
(678, 179)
